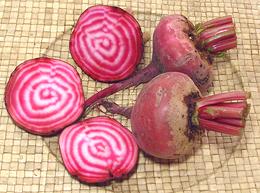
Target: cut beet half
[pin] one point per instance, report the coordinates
(98, 149)
(44, 95)
(106, 43)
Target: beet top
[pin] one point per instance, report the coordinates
(98, 149)
(170, 114)
(44, 95)
(107, 43)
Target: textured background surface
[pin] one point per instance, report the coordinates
(29, 163)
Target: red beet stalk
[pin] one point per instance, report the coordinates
(106, 43)
(217, 35)
(228, 119)
(176, 48)
(219, 127)
(236, 104)
(217, 22)
(215, 111)
(235, 122)
(224, 97)
(211, 32)
(98, 149)
(221, 46)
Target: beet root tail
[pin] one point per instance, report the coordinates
(114, 108)
(140, 77)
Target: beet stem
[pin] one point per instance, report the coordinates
(223, 112)
(211, 35)
(213, 40)
(222, 46)
(234, 104)
(142, 76)
(219, 127)
(214, 31)
(235, 122)
(214, 112)
(217, 22)
(223, 97)
(217, 39)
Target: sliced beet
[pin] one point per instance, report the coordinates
(98, 149)
(107, 43)
(44, 95)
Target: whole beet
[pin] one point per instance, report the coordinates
(175, 51)
(164, 132)
(170, 115)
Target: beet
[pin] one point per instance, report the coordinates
(106, 43)
(98, 149)
(170, 115)
(180, 46)
(44, 95)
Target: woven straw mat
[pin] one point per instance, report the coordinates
(29, 163)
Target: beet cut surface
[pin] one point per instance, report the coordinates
(107, 43)
(44, 95)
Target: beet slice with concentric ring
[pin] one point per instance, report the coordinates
(106, 43)
(44, 95)
(98, 149)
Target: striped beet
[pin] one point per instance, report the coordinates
(44, 95)
(106, 43)
(98, 149)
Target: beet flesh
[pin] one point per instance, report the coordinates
(44, 95)
(107, 43)
(98, 149)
